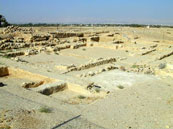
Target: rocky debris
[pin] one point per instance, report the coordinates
(148, 52)
(70, 66)
(55, 40)
(5, 41)
(90, 44)
(38, 38)
(118, 42)
(93, 88)
(20, 60)
(136, 37)
(110, 35)
(166, 55)
(42, 43)
(83, 40)
(31, 52)
(4, 71)
(19, 40)
(63, 41)
(122, 68)
(141, 69)
(162, 65)
(6, 36)
(111, 67)
(14, 54)
(66, 35)
(78, 45)
(93, 64)
(56, 52)
(12, 29)
(148, 71)
(32, 84)
(48, 89)
(10, 45)
(154, 46)
(95, 38)
(156, 41)
(2, 84)
(90, 85)
(100, 32)
(93, 73)
(65, 67)
(75, 40)
(49, 49)
(61, 47)
(143, 48)
(117, 46)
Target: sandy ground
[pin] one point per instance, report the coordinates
(137, 94)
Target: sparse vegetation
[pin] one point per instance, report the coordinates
(135, 66)
(6, 57)
(97, 90)
(162, 66)
(45, 110)
(81, 97)
(3, 21)
(120, 87)
(1, 63)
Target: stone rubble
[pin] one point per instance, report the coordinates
(93, 64)
(3, 71)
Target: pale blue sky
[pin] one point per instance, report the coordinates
(88, 11)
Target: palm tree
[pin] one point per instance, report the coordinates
(3, 21)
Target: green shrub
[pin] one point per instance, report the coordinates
(120, 87)
(162, 66)
(135, 66)
(97, 90)
(81, 97)
(45, 110)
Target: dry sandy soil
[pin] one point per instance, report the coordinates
(86, 77)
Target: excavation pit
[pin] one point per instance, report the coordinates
(14, 76)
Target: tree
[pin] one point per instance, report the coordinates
(3, 21)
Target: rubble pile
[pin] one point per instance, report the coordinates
(12, 29)
(78, 45)
(93, 73)
(38, 38)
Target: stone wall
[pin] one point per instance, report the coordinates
(38, 38)
(66, 35)
(48, 89)
(92, 64)
(3, 71)
(14, 54)
(12, 29)
(78, 45)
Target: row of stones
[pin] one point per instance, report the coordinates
(36, 51)
(141, 69)
(93, 73)
(12, 29)
(92, 64)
